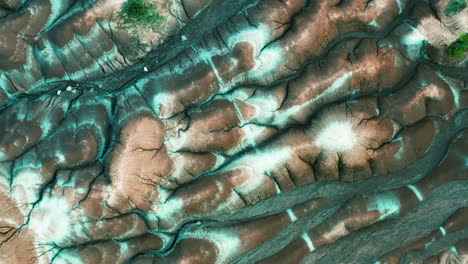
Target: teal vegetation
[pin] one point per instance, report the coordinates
(458, 48)
(139, 13)
(455, 7)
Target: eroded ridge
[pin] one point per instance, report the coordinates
(247, 132)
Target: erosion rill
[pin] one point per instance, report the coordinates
(222, 131)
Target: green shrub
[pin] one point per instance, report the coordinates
(458, 48)
(455, 7)
(140, 13)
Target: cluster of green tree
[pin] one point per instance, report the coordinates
(458, 48)
(140, 13)
(454, 7)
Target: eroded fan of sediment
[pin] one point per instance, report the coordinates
(250, 132)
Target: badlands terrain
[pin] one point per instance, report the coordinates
(246, 131)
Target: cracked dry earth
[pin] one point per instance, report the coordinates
(264, 131)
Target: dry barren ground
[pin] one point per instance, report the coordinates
(247, 131)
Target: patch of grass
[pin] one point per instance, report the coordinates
(454, 7)
(458, 48)
(139, 13)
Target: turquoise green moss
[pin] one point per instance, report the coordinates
(455, 7)
(458, 48)
(141, 13)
